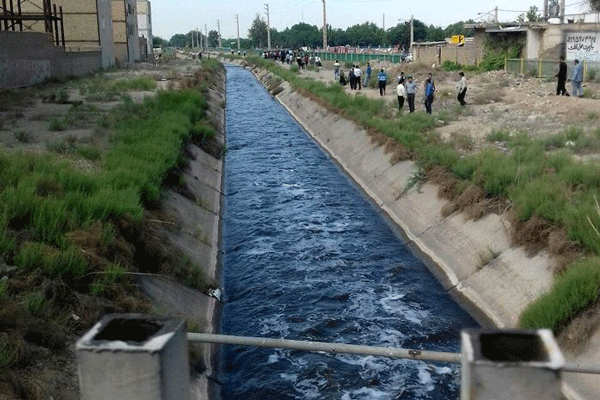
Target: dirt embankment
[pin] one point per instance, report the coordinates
(178, 242)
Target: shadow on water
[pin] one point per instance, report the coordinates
(307, 257)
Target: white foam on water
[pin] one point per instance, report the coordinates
(425, 379)
(366, 394)
(273, 324)
(309, 388)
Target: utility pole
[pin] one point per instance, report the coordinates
(384, 21)
(237, 22)
(412, 32)
(268, 28)
(496, 14)
(324, 26)
(219, 32)
(206, 36)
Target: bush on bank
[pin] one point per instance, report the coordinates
(536, 181)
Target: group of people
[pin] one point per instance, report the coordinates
(405, 90)
(355, 76)
(576, 78)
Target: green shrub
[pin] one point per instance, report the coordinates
(108, 279)
(53, 262)
(573, 291)
(91, 153)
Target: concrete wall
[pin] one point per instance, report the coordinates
(28, 58)
(85, 25)
(469, 54)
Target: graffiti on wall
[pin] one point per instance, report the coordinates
(583, 46)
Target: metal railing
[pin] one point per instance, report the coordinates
(389, 352)
(548, 68)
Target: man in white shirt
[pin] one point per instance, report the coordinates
(336, 70)
(358, 75)
(401, 92)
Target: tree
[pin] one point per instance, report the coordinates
(159, 42)
(595, 4)
(258, 32)
(533, 15)
(301, 35)
(213, 38)
(179, 40)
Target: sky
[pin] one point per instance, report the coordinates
(181, 16)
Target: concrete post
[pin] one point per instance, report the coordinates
(134, 357)
(515, 365)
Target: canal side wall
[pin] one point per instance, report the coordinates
(196, 232)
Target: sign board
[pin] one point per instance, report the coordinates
(584, 46)
(457, 39)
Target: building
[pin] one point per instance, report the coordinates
(145, 28)
(125, 31)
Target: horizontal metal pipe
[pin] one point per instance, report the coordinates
(389, 352)
(581, 369)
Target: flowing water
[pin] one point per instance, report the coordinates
(308, 257)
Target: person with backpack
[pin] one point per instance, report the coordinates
(382, 79)
(429, 94)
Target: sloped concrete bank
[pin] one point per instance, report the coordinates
(474, 260)
(196, 232)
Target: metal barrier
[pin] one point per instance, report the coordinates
(548, 68)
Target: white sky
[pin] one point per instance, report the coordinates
(181, 16)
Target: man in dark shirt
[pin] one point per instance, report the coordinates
(562, 77)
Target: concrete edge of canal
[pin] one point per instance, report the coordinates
(475, 261)
(198, 235)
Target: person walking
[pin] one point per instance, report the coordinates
(562, 77)
(429, 93)
(358, 76)
(577, 79)
(411, 89)
(367, 75)
(336, 70)
(382, 79)
(462, 89)
(401, 93)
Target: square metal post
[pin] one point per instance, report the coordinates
(134, 357)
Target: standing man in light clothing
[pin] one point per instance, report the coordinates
(462, 89)
(336, 70)
(401, 92)
(411, 90)
(577, 79)
(358, 76)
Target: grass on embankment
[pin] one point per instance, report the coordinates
(540, 184)
(73, 238)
